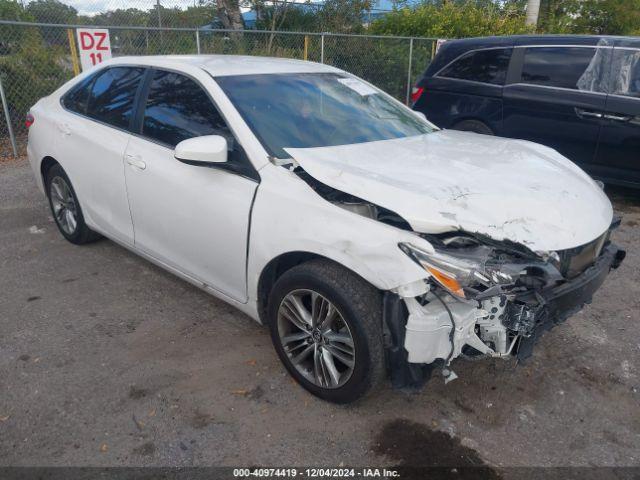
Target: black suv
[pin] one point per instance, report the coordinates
(577, 94)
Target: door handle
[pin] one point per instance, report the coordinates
(581, 113)
(136, 161)
(618, 118)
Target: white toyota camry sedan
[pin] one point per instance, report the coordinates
(371, 243)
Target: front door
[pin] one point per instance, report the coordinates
(192, 218)
(618, 156)
(558, 100)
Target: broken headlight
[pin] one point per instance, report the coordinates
(455, 271)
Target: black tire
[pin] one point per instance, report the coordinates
(475, 126)
(360, 306)
(81, 233)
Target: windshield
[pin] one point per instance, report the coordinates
(317, 110)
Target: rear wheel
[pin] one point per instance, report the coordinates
(475, 126)
(66, 208)
(326, 326)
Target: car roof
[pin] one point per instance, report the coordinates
(224, 65)
(452, 49)
(515, 40)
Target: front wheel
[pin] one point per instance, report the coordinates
(326, 326)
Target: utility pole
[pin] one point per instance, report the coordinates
(533, 9)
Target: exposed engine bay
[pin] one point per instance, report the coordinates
(481, 296)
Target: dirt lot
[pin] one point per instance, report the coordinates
(106, 360)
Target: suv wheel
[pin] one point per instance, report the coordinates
(475, 126)
(326, 326)
(66, 208)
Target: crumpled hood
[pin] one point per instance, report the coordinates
(450, 180)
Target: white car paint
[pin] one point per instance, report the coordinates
(451, 180)
(219, 230)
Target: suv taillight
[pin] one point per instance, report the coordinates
(416, 93)
(28, 120)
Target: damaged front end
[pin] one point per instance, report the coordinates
(483, 295)
(487, 298)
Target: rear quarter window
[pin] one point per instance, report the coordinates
(76, 98)
(485, 66)
(113, 94)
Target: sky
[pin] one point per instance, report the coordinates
(90, 7)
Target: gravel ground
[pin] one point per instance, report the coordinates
(106, 360)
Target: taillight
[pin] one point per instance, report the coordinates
(28, 121)
(416, 92)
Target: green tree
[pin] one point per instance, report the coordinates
(120, 16)
(52, 11)
(344, 16)
(12, 10)
(12, 35)
(297, 19)
(607, 17)
(453, 20)
(595, 17)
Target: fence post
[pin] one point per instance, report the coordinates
(5, 107)
(74, 52)
(409, 71)
(306, 47)
(198, 41)
(322, 48)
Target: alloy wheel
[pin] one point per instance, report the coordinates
(316, 338)
(64, 205)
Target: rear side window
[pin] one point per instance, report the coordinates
(76, 99)
(625, 71)
(575, 68)
(486, 66)
(113, 94)
(178, 108)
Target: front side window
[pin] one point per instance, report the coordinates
(113, 95)
(486, 66)
(317, 110)
(625, 73)
(576, 68)
(177, 108)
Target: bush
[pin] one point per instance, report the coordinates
(452, 20)
(32, 70)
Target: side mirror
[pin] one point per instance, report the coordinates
(202, 150)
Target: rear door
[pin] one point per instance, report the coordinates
(92, 138)
(618, 156)
(558, 98)
(469, 88)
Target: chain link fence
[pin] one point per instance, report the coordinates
(35, 58)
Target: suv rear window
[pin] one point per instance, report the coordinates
(576, 68)
(485, 66)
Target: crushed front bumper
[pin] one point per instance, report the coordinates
(536, 310)
(554, 305)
